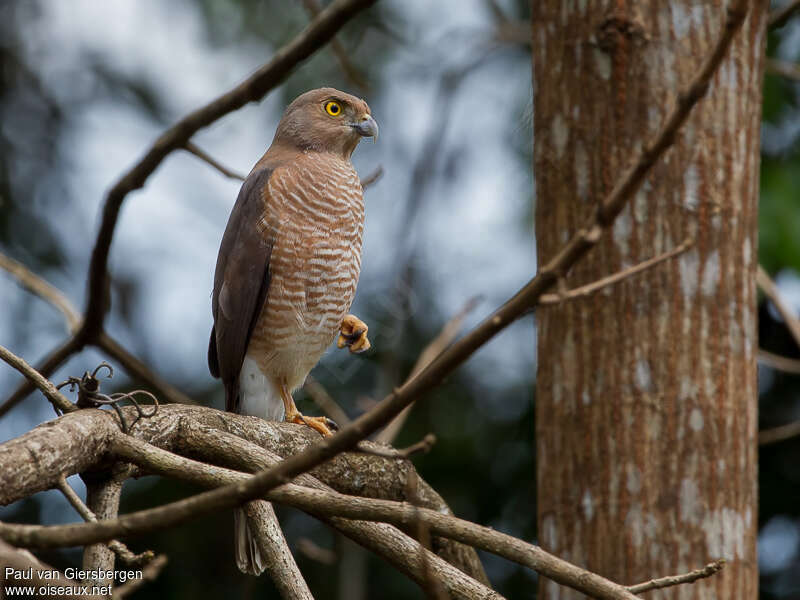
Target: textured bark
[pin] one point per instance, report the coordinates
(81, 441)
(646, 391)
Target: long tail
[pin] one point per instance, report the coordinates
(248, 556)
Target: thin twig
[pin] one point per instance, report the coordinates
(783, 68)
(434, 587)
(315, 552)
(165, 391)
(421, 447)
(437, 345)
(120, 549)
(149, 573)
(771, 290)
(662, 582)
(778, 362)
(773, 435)
(779, 16)
(372, 178)
(320, 396)
(192, 148)
(313, 8)
(38, 286)
(56, 398)
(590, 288)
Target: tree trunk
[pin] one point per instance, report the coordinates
(646, 391)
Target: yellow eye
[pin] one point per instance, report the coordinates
(334, 109)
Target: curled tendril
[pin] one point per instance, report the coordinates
(89, 395)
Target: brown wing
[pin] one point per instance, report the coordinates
(241, 282)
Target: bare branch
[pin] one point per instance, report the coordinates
(38, 286)
(313, 8)
(255, 87)
(137, 369)
(149, 573)
(773, 435)
(372, 178)
(120, 549)
(783, 68)
(590, 288)
(46, 368)
(656, 584)
(20, 560)
(771, 290)
(779, 363)
(431, 351)
(278, 559)
(403, 515)
(779, 16)
(192, 148)
(47, 388)
(325, 401)
(421, 447)
(315, 552)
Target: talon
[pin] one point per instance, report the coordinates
(323, 425)
(353, 333)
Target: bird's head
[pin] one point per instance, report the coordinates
(325, 120)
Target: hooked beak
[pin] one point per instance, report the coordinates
(366, 127)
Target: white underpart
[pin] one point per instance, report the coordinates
(259, 397)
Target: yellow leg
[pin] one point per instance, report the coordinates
(323, 425)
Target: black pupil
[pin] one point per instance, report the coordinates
(334, 108)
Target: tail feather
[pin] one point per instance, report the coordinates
(248, 556)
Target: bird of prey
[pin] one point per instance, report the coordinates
(288, 266)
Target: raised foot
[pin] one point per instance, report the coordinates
(323, 425)
(353, 334)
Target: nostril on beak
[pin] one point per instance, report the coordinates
(367, 127)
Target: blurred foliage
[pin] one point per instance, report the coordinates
(483, 464)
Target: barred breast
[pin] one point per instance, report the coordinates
(315, 215)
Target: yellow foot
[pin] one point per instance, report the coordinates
(323, 425)
(353, 334)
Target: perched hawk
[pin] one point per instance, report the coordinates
(288, 267)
